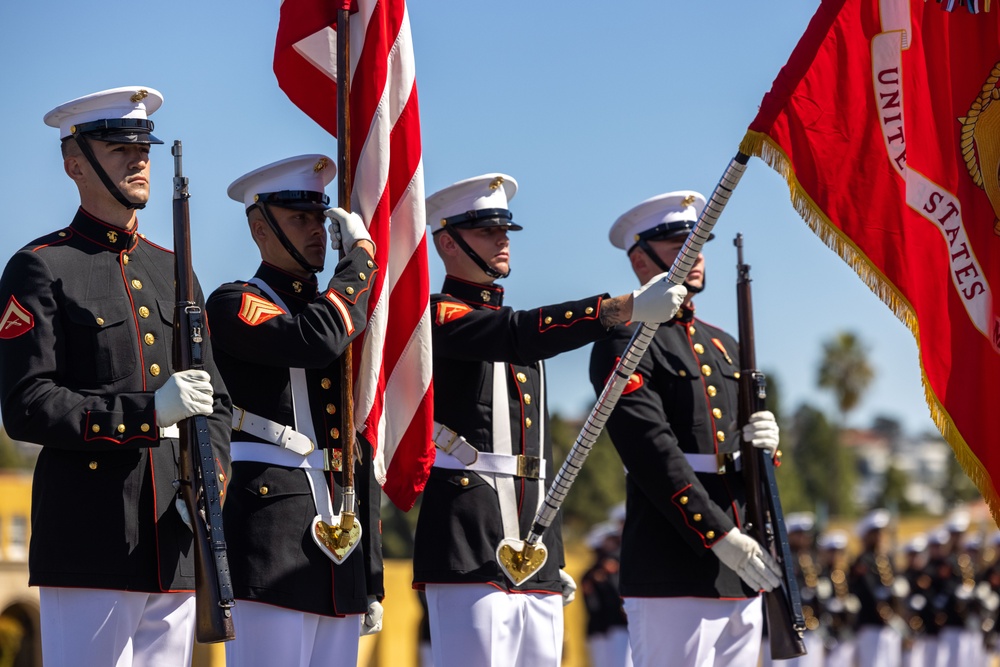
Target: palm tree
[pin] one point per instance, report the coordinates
(845, 371)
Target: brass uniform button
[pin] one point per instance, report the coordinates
(548, 320)
(62, 233)
(144, 428)
(361, 275)
(697, 517)
(349, 290)
(100, 321)
(121, 428)
(589, 310)
(712, 391)
(568, 314)
(464, 481)
(334, 433)
(527, 399)
(736, 375)
(699, 348)
(710, 534)
(527, 422)
(96, 428)
(264, 490)
(331, 409)
(143, 312)
(92, 465)
(125, 260)
(717, 413)
(154, 370)
(684, 500)
(720, 436)
(691, 330)
(325, 383)
(371, 264)
(149, 338)
(706, 370)
(682, 373)
(136, 283)
(522, 378)
(222, 477)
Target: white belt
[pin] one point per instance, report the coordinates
(452, 443)
(170, 431)
(516, 465)
(714, 464)
(277, 434)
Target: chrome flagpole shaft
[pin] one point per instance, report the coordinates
(633, 353)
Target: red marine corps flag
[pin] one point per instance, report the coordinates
(886, 124)
(392, 362)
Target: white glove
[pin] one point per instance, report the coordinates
(372, 622)
(762, 431)
(346, 228)
(185, 394)
(568, 587)
(657, 301)
(744, 554)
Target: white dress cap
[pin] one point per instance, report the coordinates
(489, 191)
(600, 532)
(800, 522)
(132, 102)
(958, 521)
(874, 520)
(835, 539)
(916, 545)
(304, 173)
(677, 211)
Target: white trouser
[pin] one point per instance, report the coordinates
(269, 636)
(879, 646)
(930, 651)
(477, 624)
(610, 648)
(814, 656)
(87, 627)
(694, 632)
(915, 656)
(842, 655)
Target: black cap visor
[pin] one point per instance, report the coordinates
(118, 131)
(479, 219)
(299, 200)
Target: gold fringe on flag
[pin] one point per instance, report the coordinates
(762, 146)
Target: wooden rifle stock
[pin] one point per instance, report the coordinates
(199, 482)
(782, 606)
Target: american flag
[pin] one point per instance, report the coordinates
(393, 392)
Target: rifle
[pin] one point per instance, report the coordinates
(782, 606)
(199, 482)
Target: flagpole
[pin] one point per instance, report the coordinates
(520, 560)
(344, 189)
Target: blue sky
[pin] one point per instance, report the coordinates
(591, 107)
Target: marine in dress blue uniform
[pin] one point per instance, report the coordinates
(85, 371)
(689, 576)
(494, 459)
(278, 340)
(872, 579)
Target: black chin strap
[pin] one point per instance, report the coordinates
(296, 255)
(480, 262)
(88, 153)
(660, 264)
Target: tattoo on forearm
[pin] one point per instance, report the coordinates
(613, 311)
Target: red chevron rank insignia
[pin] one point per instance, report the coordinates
(16, 320)
(256, 310)
(449, 310)
(634, 381)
